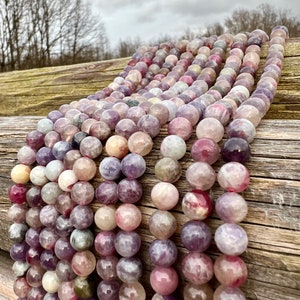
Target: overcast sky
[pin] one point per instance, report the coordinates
(149, 19)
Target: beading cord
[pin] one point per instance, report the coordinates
(50, 255)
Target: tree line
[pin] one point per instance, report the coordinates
(44, 33)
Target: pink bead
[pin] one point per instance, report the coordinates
(233, 177)
(182, 127)
(128, 217)
(66, 180)
(164, 280)
(83, 263)
(210, 128)
(198, 292)
(164, 195)
(228, 293)
(205, 150)
(84, 168)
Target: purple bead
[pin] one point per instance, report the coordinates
(60, 149)
(129, 269)
(44, 155)
(33, 256)
(110, 117)
(163, 253)
(104, 243)
(196, 236)
(32, 237)
(18, 251)
(48, 238)
(64, 271)
(54, 115)
(127, 243)
(35, 139)
(49, 260)
(149, 124)
(236, 149)
(129, 190)
(106, 192)
(110, 168)
(133, 165)
(82, 216)
(63, 249)
(108, 290)
(48, 215)
(17, 193)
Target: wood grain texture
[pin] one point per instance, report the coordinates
(273, 220)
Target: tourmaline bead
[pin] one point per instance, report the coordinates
(60, 149)
(104, 243)
(17, 231)
(105, 217)
(17, 212)
(18, 251)
(163, 252)
(231, 239)
(129, 269)
(66, 291)
(200, 175)
(161, 112)
(35, 139)
(106, 192)
(33, 217)
(66, 180)
(82, 216)
(189, 112)
(64, 204)
(219, 111)
(150, 124)
(44, 125)
(32, 237)
(164, 195)
(82, 239)
(248, 112)
(167, 169)
(197, 205)
(180, 126)
(197, 268)
(129, 190)
(128, 217)
(116, 146)
(140, 143)
(90, 147)
(126, 127)
(110, 168)
(236, 149)
(157, 296)
(82, 193)
(84, 287)
(84, 168)
(127, 243)
(108, 290)
(77, 138)
(210, 128)
(26, 155)
(83, 263)
(164, 280)
(63, 226)
(64, 271)
(20, 268)
(231, 207)
(233, 177)
(241, 128)
(228, 293)
(133, 165)
(132, 291)
(33, 256)
(205, 150)
(44, 155)
(50, 282)
(34, 276)
(48, 215)
(20, 173)
(195, 236)
(17, 193)
(162, 224)
(99, 130)
(134, 113)
(21, 287)
(54, 169)
(70, 158)
(36, 293)
(106, 267)
(230, 270)
(63, 249)
(110, 117)
(173, 146)
(198, 292)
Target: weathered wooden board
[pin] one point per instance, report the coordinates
(273, 221)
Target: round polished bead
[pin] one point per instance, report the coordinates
(66, 291)
(104, 217)
(116, 146)
(164, 280)
(110, 117)
(21, 287)
(228, 293)
(196, 236)
(164, 195)
(162, 224)
(77, 138)
(128, 217)
(17, 232)
(210, 128)
(66, 180)
(200, 175)
(149, 124)
(205, 150)
(129, 269)
(135, 113)
(38, 176)
(167, 169)
(125, 128)
(230, 270)
(108, 290)
(140, 143)
(132, 291)
(48, 215)
(18, 251)
(133, 165)
(231, 239)
(127, 243)
(219, 111)
(17, 212)
(180, 126)
(82, 239)
(63, 249)
(99, 130)
(54, 169)
(82, 216)
(163, 252)
(241, 128)
(173, 146)
(83, 263)
(44, 125)
(20, 268)
(64, 271)
(84, 287)
(104, 243)
(197, 268)
(34, 276)
(26, 155)
(60, 149)
(161, 112)
(106, 192)
(129, 190)
(35, 139)
(50, 282)
(189, 112)
(84, 168)
(236, 149)
(63, 226)
(110, 168)
(33, 217)
(197, 205)
(82, 193)
(248, 112)
(198, 292)
(107, 267)
(90, 147)
(49, 192)
(64, 204)
(231, 207)
(233, 177)
(20, 173)
(17, 193)
(70, 158)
